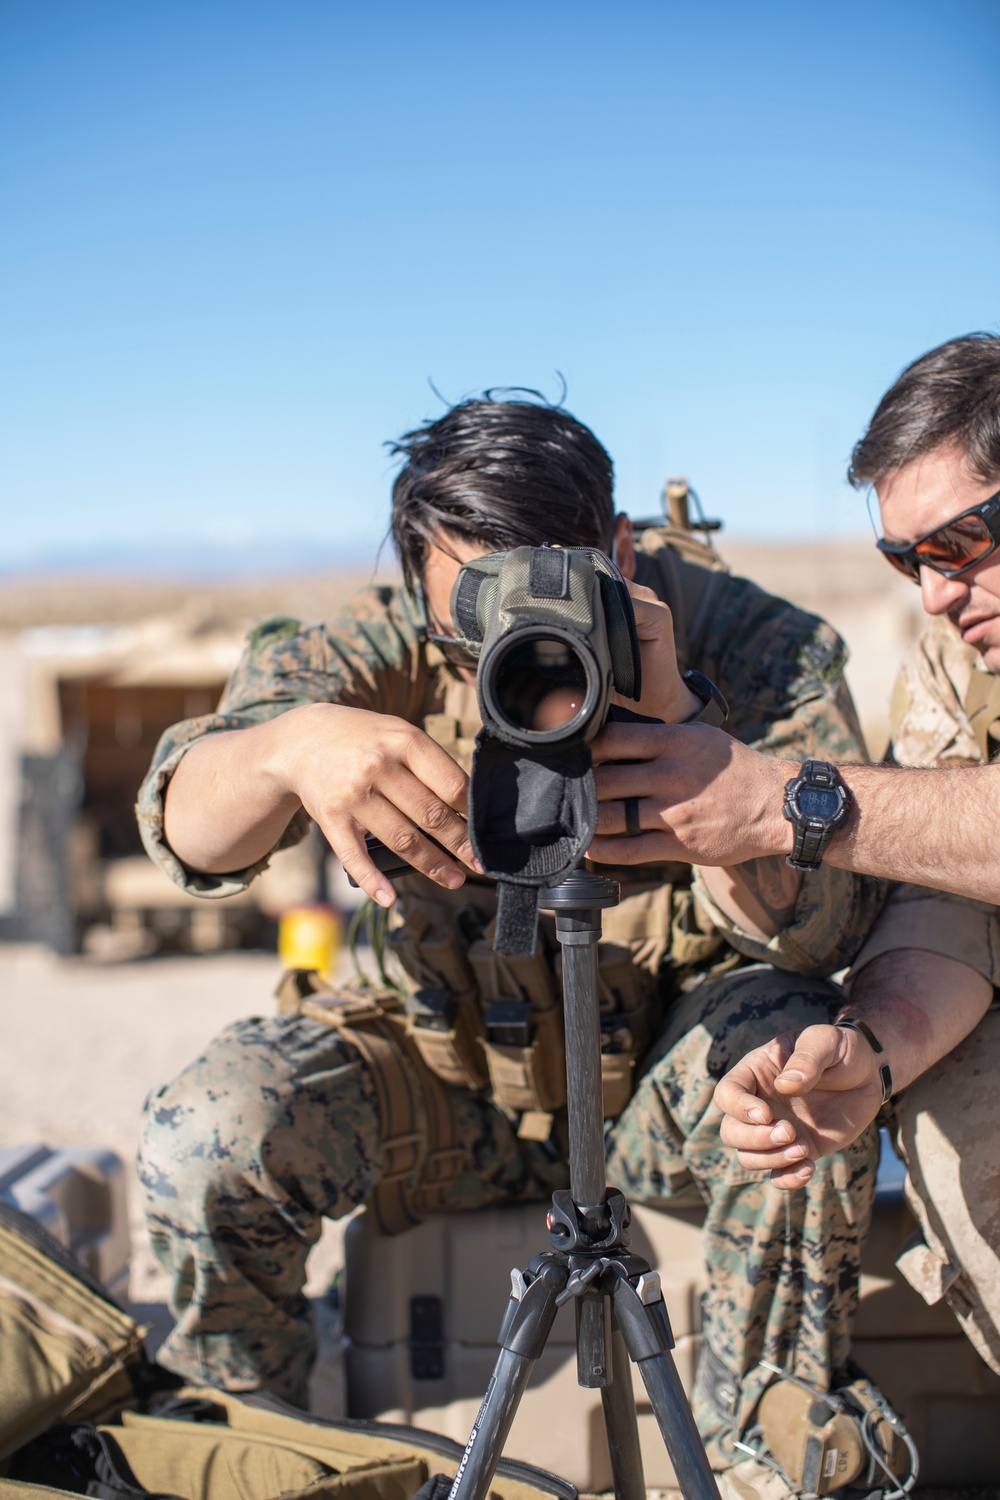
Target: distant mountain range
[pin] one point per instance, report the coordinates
(237, 562)
(190, 560)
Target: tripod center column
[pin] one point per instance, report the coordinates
(581, 1011)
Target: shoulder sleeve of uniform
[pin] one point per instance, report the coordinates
(370, 657)
(930, 722)
(833, 915)
(781, 670)
(936, 922)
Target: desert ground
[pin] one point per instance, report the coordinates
(84, 1042)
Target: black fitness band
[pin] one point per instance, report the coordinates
(848, 1023)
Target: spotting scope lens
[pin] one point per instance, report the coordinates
(542, 687)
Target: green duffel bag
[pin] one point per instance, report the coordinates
(83, 1411)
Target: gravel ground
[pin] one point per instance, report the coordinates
(84, 1042)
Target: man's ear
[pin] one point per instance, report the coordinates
(624, 546)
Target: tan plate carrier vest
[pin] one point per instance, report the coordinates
(475, 1020)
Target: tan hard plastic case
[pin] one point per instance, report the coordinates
(916, 1353)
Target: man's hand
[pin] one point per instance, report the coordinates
(802, 1096)
(353, 771)
(357, 772)
(812, 1092)
(664, 694)
(703, 797)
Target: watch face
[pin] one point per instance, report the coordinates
(818, 802)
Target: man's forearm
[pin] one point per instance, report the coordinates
(926, 827)
(706, 798)
(225, 807)
(937, 828)
(351, 770)
(919, 1005)
(827, 1083)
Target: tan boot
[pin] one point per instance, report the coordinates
(752, 1480)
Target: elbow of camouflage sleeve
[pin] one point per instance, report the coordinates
(833, 915)
(149, 813)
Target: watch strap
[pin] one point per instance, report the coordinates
(714, 708)
(808, 845)
(850, 1023)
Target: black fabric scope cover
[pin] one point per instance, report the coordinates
(532, 817)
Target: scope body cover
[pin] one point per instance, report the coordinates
(539, 618)
(554, 632)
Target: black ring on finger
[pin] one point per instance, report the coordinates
(632, 825)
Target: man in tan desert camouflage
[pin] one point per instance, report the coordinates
(932, 454)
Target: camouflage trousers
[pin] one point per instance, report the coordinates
(276, 1126)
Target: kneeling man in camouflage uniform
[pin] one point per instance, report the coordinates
(366, 725)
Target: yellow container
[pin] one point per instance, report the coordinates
(309, 938)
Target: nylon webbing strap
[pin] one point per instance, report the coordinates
(517, 919)
(404, 1144)
(465, 606)
(548, 573)
(417, 1119)
(443, 1156)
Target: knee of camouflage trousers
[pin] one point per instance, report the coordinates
(272, 1128)
(275, 1127)
(782, 1267)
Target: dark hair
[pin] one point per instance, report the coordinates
(949, 396)
(507, 473)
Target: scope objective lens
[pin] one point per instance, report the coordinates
(541, 685)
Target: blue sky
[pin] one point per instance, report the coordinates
(237, 240)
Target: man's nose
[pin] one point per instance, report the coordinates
(940, 594)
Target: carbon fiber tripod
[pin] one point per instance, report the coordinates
(620, 1312)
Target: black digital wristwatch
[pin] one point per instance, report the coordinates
(817, 803)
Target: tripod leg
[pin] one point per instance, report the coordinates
(621, 1426)
(647, 1336)
(526, 1326)
(485, 1446)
